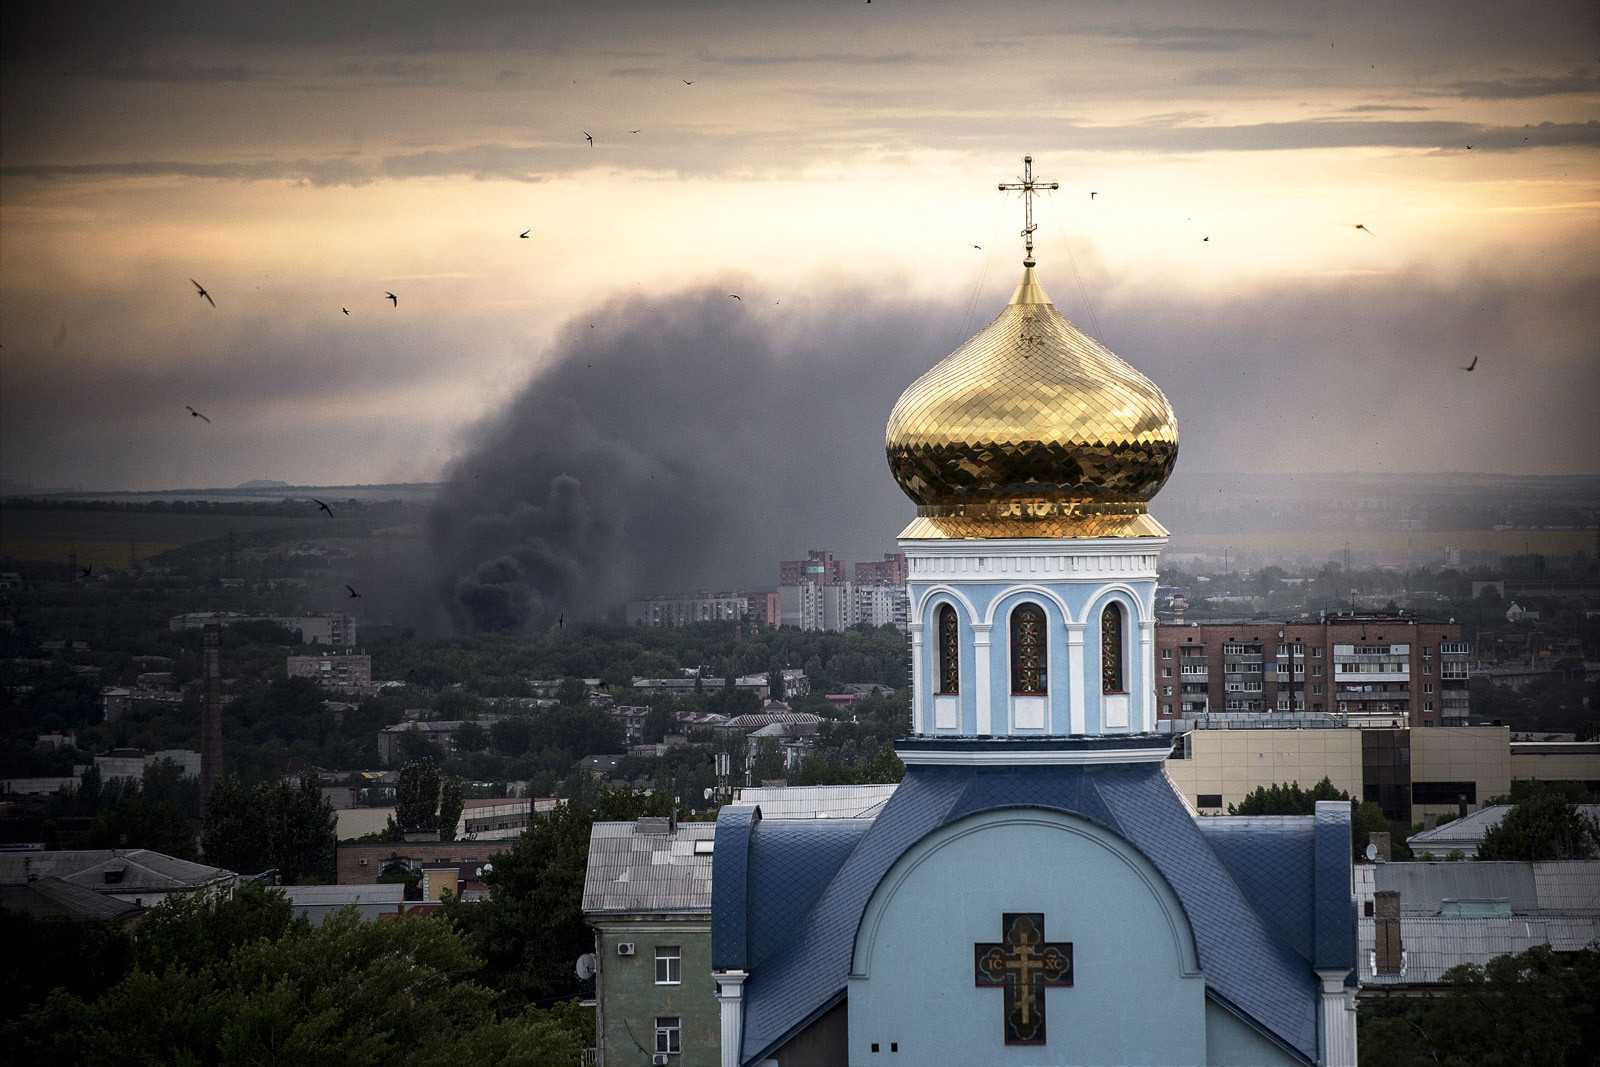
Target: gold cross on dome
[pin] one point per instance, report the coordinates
(1028, 185)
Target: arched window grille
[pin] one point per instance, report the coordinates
(949, 652)
(1028, 671)
(1111, 658)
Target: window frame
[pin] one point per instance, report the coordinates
(947, 629)
(1114, 636)
(674, 964)
(1041, 667)
(669, 1035)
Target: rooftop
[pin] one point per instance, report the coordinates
(109, 870)
(818, 801)
(645, 867)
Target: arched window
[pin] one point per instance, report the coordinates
(1027, 651)
(949, 652)
(1111, 667)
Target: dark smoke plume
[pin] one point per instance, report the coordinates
(685, 443)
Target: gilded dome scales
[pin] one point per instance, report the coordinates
(1032, 428)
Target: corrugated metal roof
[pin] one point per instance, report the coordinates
(1571, 886)
(1466, 834)
(1424, 885)
(54, 898)
(338, 895)
(631, 872)
(1432, 945)
(818, 801)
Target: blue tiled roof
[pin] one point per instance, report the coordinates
(1272, 857)
(730, 887)
(791, 863)
(1336, 914)
(1250, 964)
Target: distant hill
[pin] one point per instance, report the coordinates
(262, 483)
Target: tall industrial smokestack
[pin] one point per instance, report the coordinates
(211, 716)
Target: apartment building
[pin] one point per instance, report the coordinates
(1375, 670)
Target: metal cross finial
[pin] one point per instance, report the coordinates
(1027, 185)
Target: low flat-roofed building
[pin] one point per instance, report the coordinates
(358, 864)
(371, 901)
(818, 801)
(1216, 768)
(56, 898)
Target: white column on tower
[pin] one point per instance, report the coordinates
(1145, 677)
(1075, 716)
(981, 679)
(919, 684)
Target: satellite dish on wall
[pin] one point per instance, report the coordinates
(1372, 852)
(586, 966)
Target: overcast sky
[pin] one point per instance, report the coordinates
(831, 163)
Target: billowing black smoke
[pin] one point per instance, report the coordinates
(683, 442)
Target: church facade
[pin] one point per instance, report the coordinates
(1036, 891)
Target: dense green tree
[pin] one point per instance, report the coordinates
(159, 813)
(531, 928)
(1546, 826)
(451, 805)
(571, 691)
(1537, 1008)
(657, 724)
(271, 826)
(192, 931)
(1287, 799)
(82, 958)
(775, 688)
(471, 738)
(416, 806)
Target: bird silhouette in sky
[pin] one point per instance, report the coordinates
(1363, 229)
(978, 247)
(561, 622)
(391, 297)
(1469, 148)
(195, 413)
(200, 290)
(636, 131)
(737, 297)
(587, 136)
(84, 572)
(345, 310)
(353, 594)
(1206, 238)
(322, 507)
(1093, 195)
(1469, 367)
(686, 81)
(524, 233)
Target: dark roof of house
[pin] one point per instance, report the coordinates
(110, 870)
(1257, 953)
(45, 898)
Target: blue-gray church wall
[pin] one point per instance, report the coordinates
(1132, 948)
(993, 603)
(1232, 1042)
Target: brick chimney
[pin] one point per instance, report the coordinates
(1380, 840)
(1388, 951)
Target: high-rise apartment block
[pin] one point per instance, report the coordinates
(1374, 669)
(682, 609)
(814, 594)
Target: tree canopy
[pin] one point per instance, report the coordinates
(1546, 826)
(271, 825)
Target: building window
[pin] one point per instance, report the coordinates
(1317, 689)
(1444, 792)
(949, 652)
(1208, 800)
(1316, 652)
(669, 1034)
(1111, 679)
(1316, 670)
(1166, 653)
(1166, 690)
(1166, 672)
(1028, 672)
(1166, 709)
(669, 963)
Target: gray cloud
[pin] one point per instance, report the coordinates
(1528, 86)
(1367, 109)
(1190, 38)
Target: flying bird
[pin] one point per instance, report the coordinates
(1468, 368)
(561, 621)
(587, 136)
(1469, 148)
(391, 297)
(1207, 237)
(322, 507)
(353, 594)
(524, 233)
(1093, 195)
(686, 81)
(200, 290)
(737, 297)
(345, 310)
(978, 247)
(195, 413)
(84, 572)
(636, 131)
(1363, 229)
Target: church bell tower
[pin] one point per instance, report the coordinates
(1032, 452)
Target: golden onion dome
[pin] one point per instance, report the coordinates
(1032, 428)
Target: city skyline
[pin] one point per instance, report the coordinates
(833, 166)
